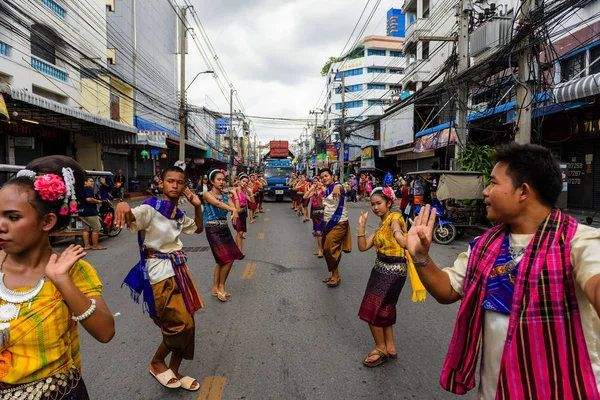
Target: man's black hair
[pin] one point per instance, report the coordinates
(534, 165)
(325, 170)
(171, 169)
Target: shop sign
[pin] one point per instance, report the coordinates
(199, 161)
(19, 129)
(25, 142)
(332, 152)
(589, 126)
(346, 151)
(397, 129)
(576, 172)
(435, 140)
(222, 125)
(367, 153)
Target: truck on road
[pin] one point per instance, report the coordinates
(278, 168)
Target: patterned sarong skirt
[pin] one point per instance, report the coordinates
(316, 214)
(240, 224)
(221, 242)
(385, 284)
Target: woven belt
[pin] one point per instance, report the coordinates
(217, 222)
(390, 269)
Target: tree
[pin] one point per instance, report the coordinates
(327, 66)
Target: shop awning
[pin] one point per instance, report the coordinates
(548, 110)
(577, 88)
(52, 113)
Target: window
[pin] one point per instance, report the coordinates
(425, 50)
(350, 89)
(110, 5)
(375, 86)
(376, 70)
(371, 52)
(111, 56)
(115, 108)
(42, 44)
(350, 104)
(396, 54)
(56, 9)
(572, 67)
(3, 49)
(376, 102)
(396, 70)
(350, 72)
(595, 60)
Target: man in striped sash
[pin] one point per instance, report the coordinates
(530, 289)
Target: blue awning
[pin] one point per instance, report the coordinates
(541, 97)
(436, 128)
(145, 125)
(548, 110)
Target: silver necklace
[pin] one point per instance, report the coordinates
(510, 266)
(11, 309)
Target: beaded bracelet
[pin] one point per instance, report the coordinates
(86, 314)
(422, 263)
(361, 235)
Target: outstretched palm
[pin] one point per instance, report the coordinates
(59, 265)
(420, 234)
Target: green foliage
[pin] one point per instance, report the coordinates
(327, 66)
(477, 158)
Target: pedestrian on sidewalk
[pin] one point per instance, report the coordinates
(334, 228)
(244, 197)
(169, 293)
(88, 214)
(119, 187)
(529, 288)
(43, 294)
(216, 207)
(378, 307)
(315, 196)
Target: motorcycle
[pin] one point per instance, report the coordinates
(107, 219)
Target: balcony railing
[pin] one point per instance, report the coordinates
(3, 49)
(56, 9)
(48, 69)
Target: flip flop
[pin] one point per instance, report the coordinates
(164, 378)
(382, 358)
(222, 297)
(187, 382)
(333, 282)
(99, 248)
(325, 280)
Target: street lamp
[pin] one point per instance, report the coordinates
(183, 116)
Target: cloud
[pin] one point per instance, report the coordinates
(273, 52)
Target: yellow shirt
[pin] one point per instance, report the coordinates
(44, 340)
(384, 240)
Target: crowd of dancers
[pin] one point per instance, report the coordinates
(537, 271)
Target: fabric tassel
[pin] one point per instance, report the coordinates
(419, 293)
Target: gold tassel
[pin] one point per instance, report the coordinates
(419, 293)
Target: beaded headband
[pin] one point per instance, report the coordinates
(52, 188)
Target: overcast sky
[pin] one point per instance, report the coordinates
(273, 52)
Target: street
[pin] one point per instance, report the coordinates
(283, 334)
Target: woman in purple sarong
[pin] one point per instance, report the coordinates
(216, 207)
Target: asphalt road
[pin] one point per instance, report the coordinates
(283, 334)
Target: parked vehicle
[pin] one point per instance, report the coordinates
(107, 219)
(458, 204)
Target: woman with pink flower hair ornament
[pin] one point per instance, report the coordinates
(388, 276)
(43, 294)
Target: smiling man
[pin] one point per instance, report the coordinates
(530, 289)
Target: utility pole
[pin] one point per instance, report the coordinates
(231, 135)
(343, 131)
(182, 93)
(462, 94)
(524, 87)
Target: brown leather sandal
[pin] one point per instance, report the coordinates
(375, 352)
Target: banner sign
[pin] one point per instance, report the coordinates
(346, 151)
(3, 108)
(222, 125)
(367, 161)
(397, 129)
(367, 153)
(435, 140)
(332, 152)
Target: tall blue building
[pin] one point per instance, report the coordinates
(396, 22)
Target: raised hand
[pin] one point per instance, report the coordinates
(420, 234)
(362, 221)
(123, 215)
(192, 198)
(59, 265)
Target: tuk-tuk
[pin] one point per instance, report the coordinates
(457, 198)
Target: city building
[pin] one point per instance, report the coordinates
(372, 73)
(48, 51)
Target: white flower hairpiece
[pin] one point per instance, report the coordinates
(69, 206)
(27, 173)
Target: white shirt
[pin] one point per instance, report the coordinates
(330, 205)
(161, 235)
(585, 261)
